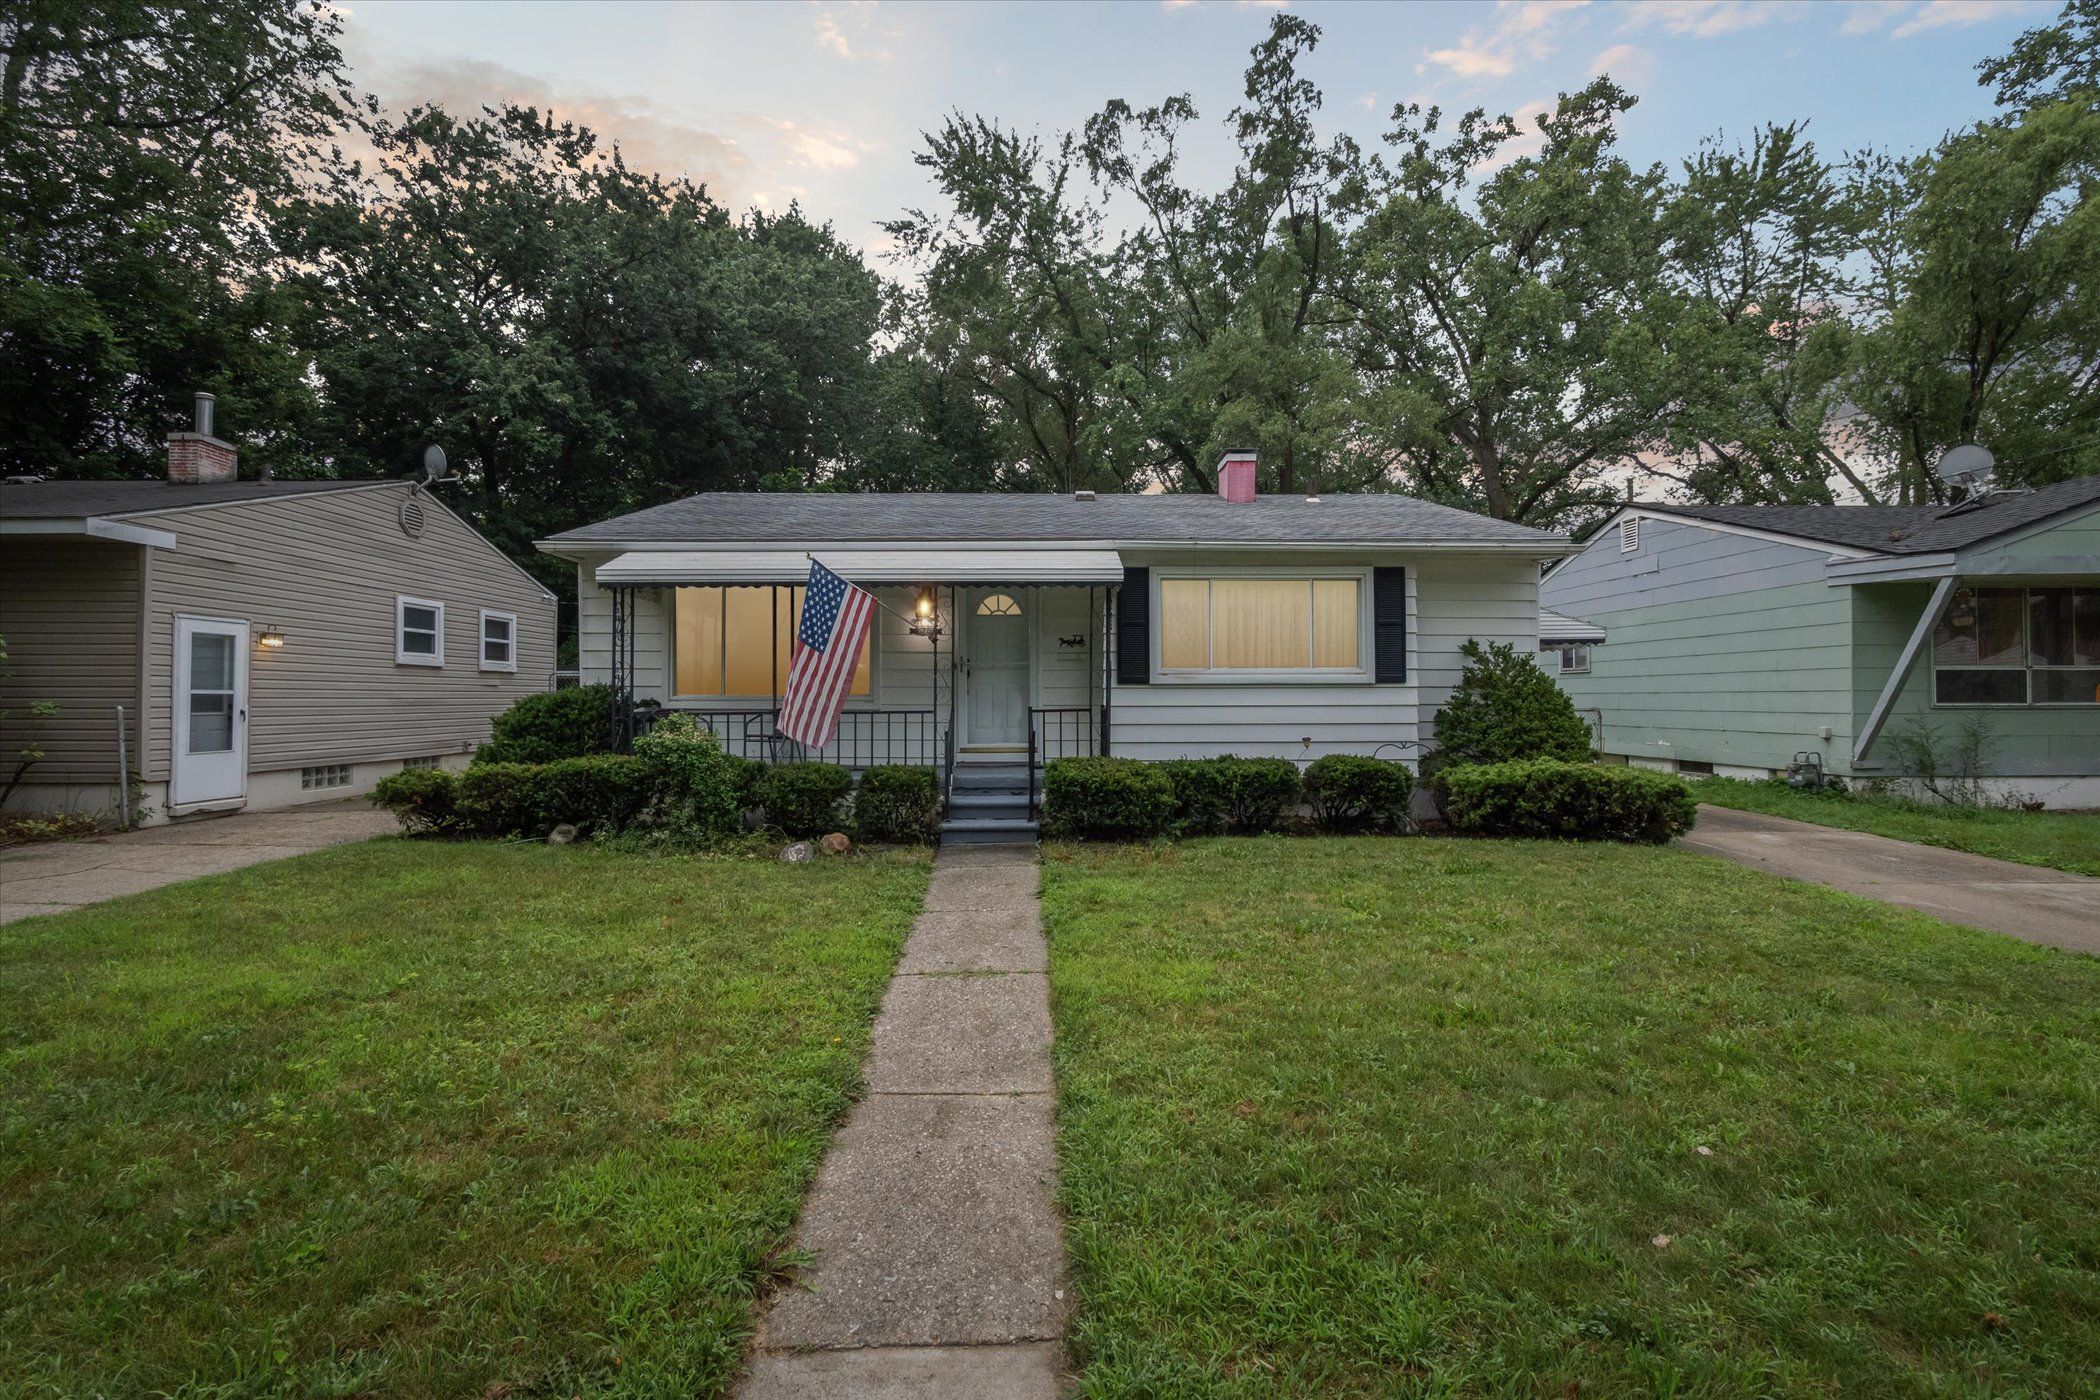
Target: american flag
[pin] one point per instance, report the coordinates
(835, 618)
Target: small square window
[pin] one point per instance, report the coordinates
(499, 641)
(419, 632)
(1574, 658)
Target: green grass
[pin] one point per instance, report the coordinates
(2061, 840)
(421, 1119)
(1398, 1117)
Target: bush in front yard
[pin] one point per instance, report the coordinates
(424, 800)
(1350, 792)
(1245, 795)
(697, 793)
(804, 799)
(1506, 709)
(598, 792)
(500, 799)
(895, 803)
(551, 725)
(1569, 801)
(1107, 798)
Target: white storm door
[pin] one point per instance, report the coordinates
(996, 668)
(211, 711)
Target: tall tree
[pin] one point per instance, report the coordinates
(1511, 325)
(138, 141)
(582, 339)
(1757, 244)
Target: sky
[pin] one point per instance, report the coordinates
(826, 103)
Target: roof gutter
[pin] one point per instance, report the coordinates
(1546, 547)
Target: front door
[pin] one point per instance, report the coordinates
(211, 711)
(996, 669)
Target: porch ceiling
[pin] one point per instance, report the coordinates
(865, 566)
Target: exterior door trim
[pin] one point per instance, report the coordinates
(966, 720)
(179, 695)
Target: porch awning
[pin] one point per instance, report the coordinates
(865, 566)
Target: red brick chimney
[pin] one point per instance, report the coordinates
(1236, 477)
(196, 457)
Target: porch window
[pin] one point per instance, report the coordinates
(1238, 623)
(2018, 646)
(723, 643)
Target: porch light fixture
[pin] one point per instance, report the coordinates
(270, 638)
(925, 616)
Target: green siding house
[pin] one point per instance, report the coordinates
(1735, 638)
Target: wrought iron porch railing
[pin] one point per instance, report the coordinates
(866, 738)
(1064, 732)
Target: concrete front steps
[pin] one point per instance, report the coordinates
(988, 805)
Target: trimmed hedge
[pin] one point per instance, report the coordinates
(1568, 801)
(898, 804)
(602, 791)
(424, 800)
(1350, 792)
(1243, 795)
(804, 799)
(550, 725)
(1107, 798)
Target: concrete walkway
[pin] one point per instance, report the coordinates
(59, 875)
(2026, 901)
(938, 1260)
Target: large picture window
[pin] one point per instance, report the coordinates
(2018, 646)
(1230, 623)
(723, 642)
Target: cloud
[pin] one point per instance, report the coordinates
(859, 17)
(1523, 30)
(1705, 19)
(1875, 16)
(1629, 63)
(649, 137)
(823, 152)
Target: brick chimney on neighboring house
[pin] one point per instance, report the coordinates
(196, 457)
(1236, 477)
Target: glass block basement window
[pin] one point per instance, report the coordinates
(327, 775)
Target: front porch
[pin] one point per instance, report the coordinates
(980, 677)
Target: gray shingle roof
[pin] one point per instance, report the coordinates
(68, 500)
(752, 517)
(1904, 529)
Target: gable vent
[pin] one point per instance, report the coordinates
(412, 518)
(1629, 534)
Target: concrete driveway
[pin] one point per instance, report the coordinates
(2025, 901)
(61, 875)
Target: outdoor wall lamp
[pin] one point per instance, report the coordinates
(270, 638)
(925, 616)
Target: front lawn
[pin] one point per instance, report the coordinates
(2061, 840)
(421, 1119)
(1426, 1116)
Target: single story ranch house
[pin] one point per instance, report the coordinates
(1020, 628)
(1738, 639)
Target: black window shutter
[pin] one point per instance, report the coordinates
(1389, 625)
(1134, 628)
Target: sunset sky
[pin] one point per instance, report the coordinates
(825, 102)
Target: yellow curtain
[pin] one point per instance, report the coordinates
(696, 644)
(1184, 623)
(1260, 623)
(1334, 622)
(723, 642)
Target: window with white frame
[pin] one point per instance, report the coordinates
(419, 632)
(499, 641)
(1570, 658)
(737, 643)
(1274, 623)
(2018, 646)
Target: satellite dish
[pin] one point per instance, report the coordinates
(433, 464)
(1965, 465)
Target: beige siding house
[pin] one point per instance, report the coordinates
(1022, 628)
(251, 644)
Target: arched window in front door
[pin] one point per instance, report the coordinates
(998, 605)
